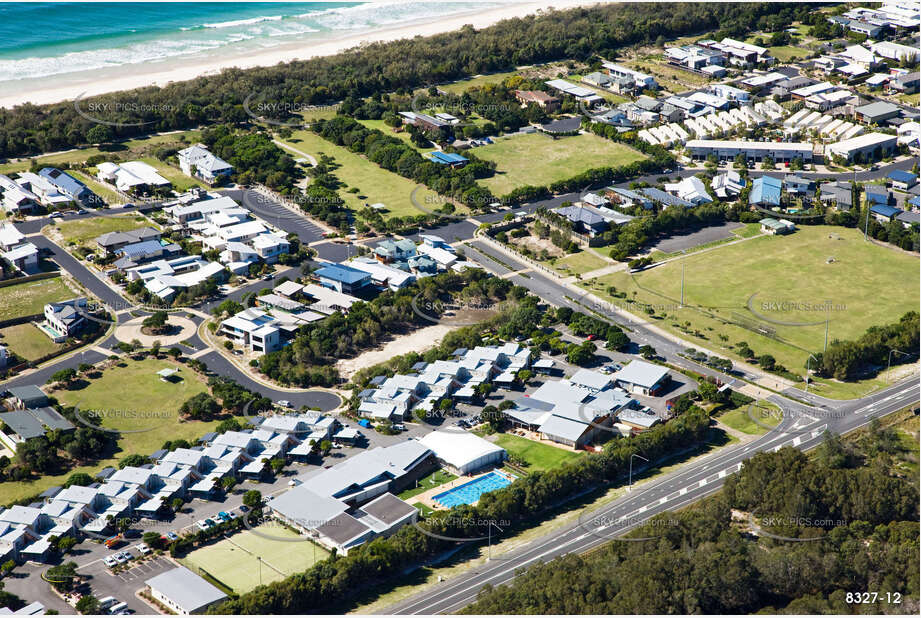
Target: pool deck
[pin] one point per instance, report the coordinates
(427, 497)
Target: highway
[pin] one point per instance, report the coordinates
(802, 427)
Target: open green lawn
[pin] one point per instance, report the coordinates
(579, 263)
(29, 298)
(28, 341)
(539, 456)
(374, 183)
(147, 413)
(786, 53)
(756, 419)
(792, 281)
(480, 80)
(80, 231)
(233, 560)
(430, 481)
(125, 151)
(180, 181)
(910, 99)
(383, 127)
(538, 159)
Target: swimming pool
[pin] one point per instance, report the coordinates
(470, 492)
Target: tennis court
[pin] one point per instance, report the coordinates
(266, 554)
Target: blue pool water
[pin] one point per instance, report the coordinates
(470, 492)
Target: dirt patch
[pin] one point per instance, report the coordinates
(419, 341)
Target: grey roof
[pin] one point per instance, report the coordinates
(581, 214)
(666, 198)
(343, 528)
(23, 423)
(564, 428)
(592, 379)
(50, 418)
(28, 393)
(641, 373)
(388, 509)
(877, 108)
(186, 589)
(132, 236)
(908, 217)
(563, 125)
(560, 392)
(305, 507)
(51, 492)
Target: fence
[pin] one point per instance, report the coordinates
(28, 278)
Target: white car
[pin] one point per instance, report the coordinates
(143, 548)
(284, 403)
(202, 524)
(110, 561)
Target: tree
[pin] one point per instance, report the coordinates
(99, 134)
(64, 376)
(253, 498)
(617, 340)
(176, 504)
(88, 604)
(66, 544)
(153, 539)
(581, 354)
(766, 361)
(767, 163)
(8, 566)
(79, 478)
(135, 460)
(647, 351)
(200, 406)
(174, 353)
(228, 483)
(156, 322)
(277, 464)
(62, 576)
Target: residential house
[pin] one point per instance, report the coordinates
(131, 176)
(884, 213)
(111, 242)
(69, 186)
(199, 162)
(765, 191)
(17, 200)
(728, 185)
(839, 193)
(394, 251)
(254, 330)
(798, 184)
(902, 180)
(543, 100)
(691, 189)
(342, 278)
(64, 319)
(585, 219)
(877, 112)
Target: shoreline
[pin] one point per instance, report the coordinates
(55, 89)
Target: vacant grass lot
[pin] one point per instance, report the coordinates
(234, 560)
(383, 127)
(28, 341)
(755, 420)
(539, 456)
(537, 159)
(29, 298)
(478, 81)
(579, 263)
(80, 231)
(793, 281)
(374, 183)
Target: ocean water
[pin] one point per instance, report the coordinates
(42, 40)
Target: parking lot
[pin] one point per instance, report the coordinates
(684, 242)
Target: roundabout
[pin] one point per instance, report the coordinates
(179, 328)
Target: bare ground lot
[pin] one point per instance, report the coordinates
(419, 341)
(700, 237)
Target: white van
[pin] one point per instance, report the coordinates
(118, 608)
(107, 602)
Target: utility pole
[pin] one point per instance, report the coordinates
(889, 364)
(825, 347)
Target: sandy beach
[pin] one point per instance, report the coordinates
(125, 77)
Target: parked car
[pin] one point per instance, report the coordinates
(202, 524)
(244, 508)
(210, 522)
(117, 609)
(107, 602)
(284, 403)
(172, 536)
(399, 427)
(56, 214)
(110, 561)
(268, 277)
(224, 516)
(143, 548)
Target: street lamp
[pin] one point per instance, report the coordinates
(889, 364)
(811, 357)
(489, 542)
(630, 478)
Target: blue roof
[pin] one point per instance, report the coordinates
(877, 194)
(886, 211)
(145, 247)
(342, 273)
(902, 176)
(915, 201)
(765, 190)
(446, 158)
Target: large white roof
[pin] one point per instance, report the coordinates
(459, 448)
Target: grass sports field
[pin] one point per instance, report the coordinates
(817, 273)
(539, 456)
(233, 561)
(29, 298)
(375, 185)
(537, 159)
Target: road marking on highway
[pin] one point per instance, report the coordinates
(682, 491)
